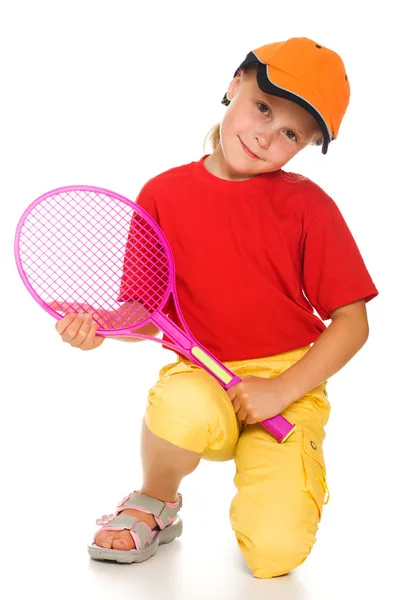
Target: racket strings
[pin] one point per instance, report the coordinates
(93, 253)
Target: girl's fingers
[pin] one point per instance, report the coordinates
(63, 323)
(242, 414)
(91, 341)
(239, 407)
(77, 330)
(236, 404)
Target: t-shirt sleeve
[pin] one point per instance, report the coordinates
(147, 201)
(334, 272)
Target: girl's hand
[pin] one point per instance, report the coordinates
(257, 398)
(77, 329)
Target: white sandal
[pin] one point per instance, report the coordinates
(146, 540)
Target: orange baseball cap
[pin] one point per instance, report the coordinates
(307, 73)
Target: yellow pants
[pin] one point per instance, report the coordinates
(281, 488)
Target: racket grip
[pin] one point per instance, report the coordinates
(279, 427)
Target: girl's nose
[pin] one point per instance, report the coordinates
(263, 140)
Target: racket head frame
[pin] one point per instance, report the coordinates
(171, 287)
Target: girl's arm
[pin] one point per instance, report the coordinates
(131, 312)
(148, 329)
(342, 339)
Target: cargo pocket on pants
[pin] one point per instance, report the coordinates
(314, 468)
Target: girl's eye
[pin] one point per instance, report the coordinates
(260, 104)
(261, 107)
(295, 136)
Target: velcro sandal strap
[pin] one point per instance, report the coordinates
(163, 512)
(140, 532)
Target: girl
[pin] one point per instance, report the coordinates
(257, 249)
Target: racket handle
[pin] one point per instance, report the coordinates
(189, 347)
(279, 427)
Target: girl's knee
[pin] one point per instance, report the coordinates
(274, 541)
(277, 553)
(182, 395)
(179, 409)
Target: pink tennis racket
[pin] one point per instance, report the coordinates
(91, 250)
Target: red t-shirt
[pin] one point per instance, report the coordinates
(254, 257)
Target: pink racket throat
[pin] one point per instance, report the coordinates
(86, 249)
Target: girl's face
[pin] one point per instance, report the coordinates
(272, 129)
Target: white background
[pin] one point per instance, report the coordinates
(111, 94)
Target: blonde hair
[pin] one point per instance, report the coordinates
(214, 137)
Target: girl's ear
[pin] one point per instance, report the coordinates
(318, 140)
(234, 85)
